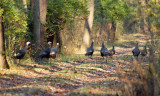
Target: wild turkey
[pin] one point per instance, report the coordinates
(144, 51)
(21, 53)
(104, 51)
(136, 51)
(53, 51)
(112, 51)
(90, 50)
(45, 53)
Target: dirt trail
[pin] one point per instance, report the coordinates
(87, 76)
(80, 77)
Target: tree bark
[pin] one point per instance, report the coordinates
(88, 24)
(3, 61)
(143, 23)
(113, 31)
(31, 4)
(43, 13)
(25, 4)
(36, 22)
(109, 31)
(103, 27)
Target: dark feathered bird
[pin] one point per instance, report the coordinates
(144, 51)
(112, 51)
(45, 53)
(104, 51)
(136, 50)
(21, 53)
(53, 51)
(90, 50)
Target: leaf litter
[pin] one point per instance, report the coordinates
(86, 76)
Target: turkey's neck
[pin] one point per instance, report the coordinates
(102, 44)
(92, 44)
(57, 46)
(137, 45)
(113, 46)
(26, 47)
(49, 46)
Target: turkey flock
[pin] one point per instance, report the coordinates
(49, 52)
(109, 53)
(46, 53)
(52, 52)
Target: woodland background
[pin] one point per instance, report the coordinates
(75, 23)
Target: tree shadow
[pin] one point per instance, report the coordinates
(16, 84)
(25, 91)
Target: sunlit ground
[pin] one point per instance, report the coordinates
(72, 75)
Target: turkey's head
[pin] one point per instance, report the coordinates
(57, 45)
(49, 42)
(28, 43)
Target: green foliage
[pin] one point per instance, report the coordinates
(61, 12)
(14, 20)
(1, 11)
(14, 24)
(153, 13)
(114, 10)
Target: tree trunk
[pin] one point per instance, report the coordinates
(143, 23)
(25, 4)
(113, 31)
(109, 31)
(43, 13)
(3, 61)
(31, 5)
(103, 26)
(88, 24)
(36, 22)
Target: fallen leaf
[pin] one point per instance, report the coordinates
(48, 89)
(91, 91)
(35, 92)
(75, 71)
(67, 71)
(59, 92)
(95, 87)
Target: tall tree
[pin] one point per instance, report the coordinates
(43, 13)
(36, 22)
(113, 31)
(3, 61)
(31, 4)
(114, 11)
(88, 24)
(99, 20)
(25, 3)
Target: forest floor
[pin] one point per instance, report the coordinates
(72, 76)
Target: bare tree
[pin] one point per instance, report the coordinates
(31, 4)
(113, 31)
(36, 22)
(25, 3)
(88, 24)
(43, 13)
(3, 61)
